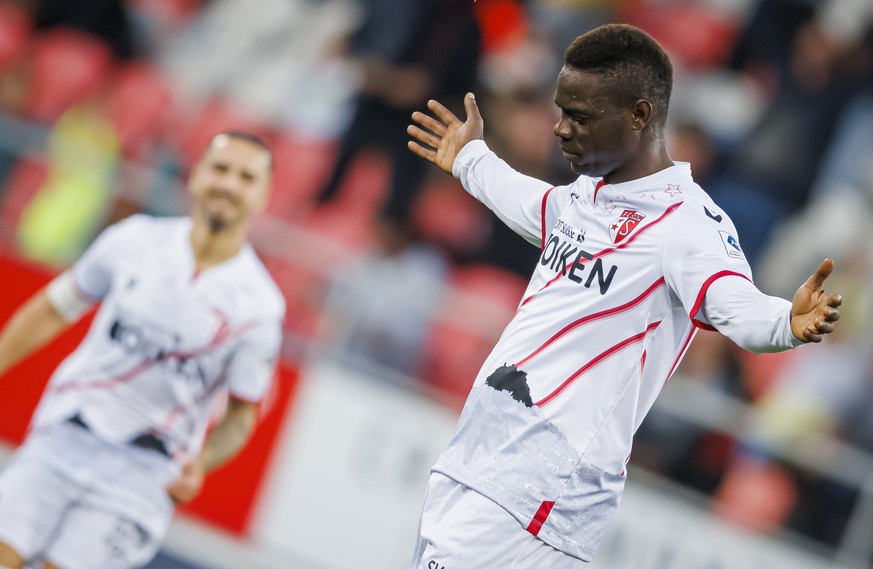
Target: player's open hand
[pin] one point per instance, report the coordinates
(445, 135)
(189, 483)
(814, 310)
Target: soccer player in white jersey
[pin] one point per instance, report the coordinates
(635, 258)
(189, 319)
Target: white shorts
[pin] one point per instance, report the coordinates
(78, 502)
(461, 529)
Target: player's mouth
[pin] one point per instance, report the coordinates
(223, 196)
(571, 156)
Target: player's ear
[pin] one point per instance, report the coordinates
(641, 114)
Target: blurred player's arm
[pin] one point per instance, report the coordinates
(230, 435)
(45, 315)
(224, 442)
(249, 373)
(762, 323)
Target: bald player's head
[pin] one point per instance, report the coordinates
(231, 181)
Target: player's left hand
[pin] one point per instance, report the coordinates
(189, 483)
(814, 311)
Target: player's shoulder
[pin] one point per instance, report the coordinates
(261, 287)
(582, 188)
(143, 225)
(699, 210)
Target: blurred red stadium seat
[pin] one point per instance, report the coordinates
(693, 33)
(300, 169)
(139, 105)
(366, 184)
(446, 214)
(14, 34)
(471, 320)
(66, 67)
(759, 497)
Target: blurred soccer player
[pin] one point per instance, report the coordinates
(635, 258)
(188, 315)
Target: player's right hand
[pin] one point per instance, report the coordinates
(189, 483)
(446, 135)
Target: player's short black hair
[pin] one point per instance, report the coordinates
(637, 64)
(250, 138)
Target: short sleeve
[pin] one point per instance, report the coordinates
(701, 246)
(253, 363)
(92, 273)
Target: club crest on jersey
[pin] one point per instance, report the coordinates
(625, 224)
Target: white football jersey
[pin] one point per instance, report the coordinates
(612, 306)
(167, 340)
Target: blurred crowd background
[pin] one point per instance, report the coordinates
(386, 262)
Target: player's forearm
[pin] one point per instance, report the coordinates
(32, 326)
(753, 320)
(515, 197)
(230, 435)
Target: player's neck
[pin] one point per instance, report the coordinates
(212, 248)
(653, 160)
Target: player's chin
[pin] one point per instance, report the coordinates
(582, 169)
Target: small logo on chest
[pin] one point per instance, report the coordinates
(625, 224)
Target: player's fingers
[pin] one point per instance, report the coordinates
(824, 328)
(429, 123)
(823, 272)
(472, 108)
(835, 300)
(423, 136)
(832, 314)
(444, 114)
(421, 151)
(811, 336)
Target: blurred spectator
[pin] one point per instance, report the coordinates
(105, 19)
(270, 54)
(769, 174)
(436, 56)
(379, 307)
(64, 215)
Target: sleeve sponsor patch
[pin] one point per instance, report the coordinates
(731, 245)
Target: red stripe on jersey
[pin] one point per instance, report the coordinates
(597, 359)
(608, 250)
(705, 287)
(679, 357)
(591, 317)
(104, 383)
(536, 524)
(543, 216)
(143, 366)
(599, 185)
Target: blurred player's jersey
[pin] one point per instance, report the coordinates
(612, 306)
(168, 342)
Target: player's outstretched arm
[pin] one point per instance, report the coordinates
(224, 442)
(33, 325)
(440, 139)
(813, 310)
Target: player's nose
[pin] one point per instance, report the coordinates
(561, 129)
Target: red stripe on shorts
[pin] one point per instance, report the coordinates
(536, 524)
